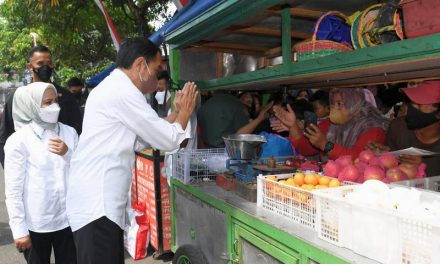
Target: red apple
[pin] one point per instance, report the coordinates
(366, 155)
(374, 173)
(349, 173)
(388, 161)
(395, 174)
(332, 169)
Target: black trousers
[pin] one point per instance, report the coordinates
(42, 243)
(100, 242)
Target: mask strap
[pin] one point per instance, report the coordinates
(148, 68)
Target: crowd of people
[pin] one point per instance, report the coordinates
(68, 172)
(346, 121)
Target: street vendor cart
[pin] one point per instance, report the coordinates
(270, 45)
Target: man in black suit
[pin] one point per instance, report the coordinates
(40, 63)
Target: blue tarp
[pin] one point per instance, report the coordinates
(95, 80)
(189, 11)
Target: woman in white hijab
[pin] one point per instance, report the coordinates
(37, 160)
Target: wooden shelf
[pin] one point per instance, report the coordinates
(409, 59)
(398, 61)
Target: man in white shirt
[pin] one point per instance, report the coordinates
(116, 114)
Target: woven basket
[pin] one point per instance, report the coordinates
(315, 48)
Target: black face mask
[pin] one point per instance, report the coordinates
(44, 73)
(416, 119)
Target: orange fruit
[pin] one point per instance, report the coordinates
(271, 178)
(324, 181)
(298, 178)
(291, 183)
(311, 179)
(320, 186)
(308, 187)
(334, 183)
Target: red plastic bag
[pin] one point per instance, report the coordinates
(137, 233)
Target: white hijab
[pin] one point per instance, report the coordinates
(26, 105)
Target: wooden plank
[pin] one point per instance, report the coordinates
(234, 46)
(298, 12)
(305, 13)
(259, 31)
(243, 50)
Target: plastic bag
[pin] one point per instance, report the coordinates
(137, 233)
(276, 146)
(332, 28)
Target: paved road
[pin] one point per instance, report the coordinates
(8, 253)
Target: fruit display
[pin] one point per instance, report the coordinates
(292, 195)
(368, 166)
(307, 181)
(300, 163)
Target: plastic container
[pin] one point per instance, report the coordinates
(384, 235)
(198, 165)
(420, 17)
(429, 183)
(292, 202)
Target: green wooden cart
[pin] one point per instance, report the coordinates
(210, 224)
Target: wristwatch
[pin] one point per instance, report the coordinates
(328, 147)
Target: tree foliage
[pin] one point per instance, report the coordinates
(74, 30)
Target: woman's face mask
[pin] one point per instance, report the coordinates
(416, 119)
(339, 116)
(49, 114)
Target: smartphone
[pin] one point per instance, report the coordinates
(310, 118)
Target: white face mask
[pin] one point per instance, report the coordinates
(50, 113)
(151, 82)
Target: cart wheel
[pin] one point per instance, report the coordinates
(188, 254)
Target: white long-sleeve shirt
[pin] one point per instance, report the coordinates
(35, 179)
(102, 166)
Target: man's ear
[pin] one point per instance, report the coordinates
(28, 66)
(138, 63)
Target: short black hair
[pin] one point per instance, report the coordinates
(163, 75)
(75, 81)
(322, 97)
(277, 98)
(39, 48)
(133, 48)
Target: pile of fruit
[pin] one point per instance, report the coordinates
(367, 166)
(307, 181)
(300, 163)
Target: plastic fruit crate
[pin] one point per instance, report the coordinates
(384, 235)
(289, 201)
(198, 165)
(333, 216)
(429, 183)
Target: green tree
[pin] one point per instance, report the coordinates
(75, 31)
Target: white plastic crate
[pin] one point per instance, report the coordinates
(289, 201)
(333, 216)
(429, 183)
(198, 165)
(386, 236)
